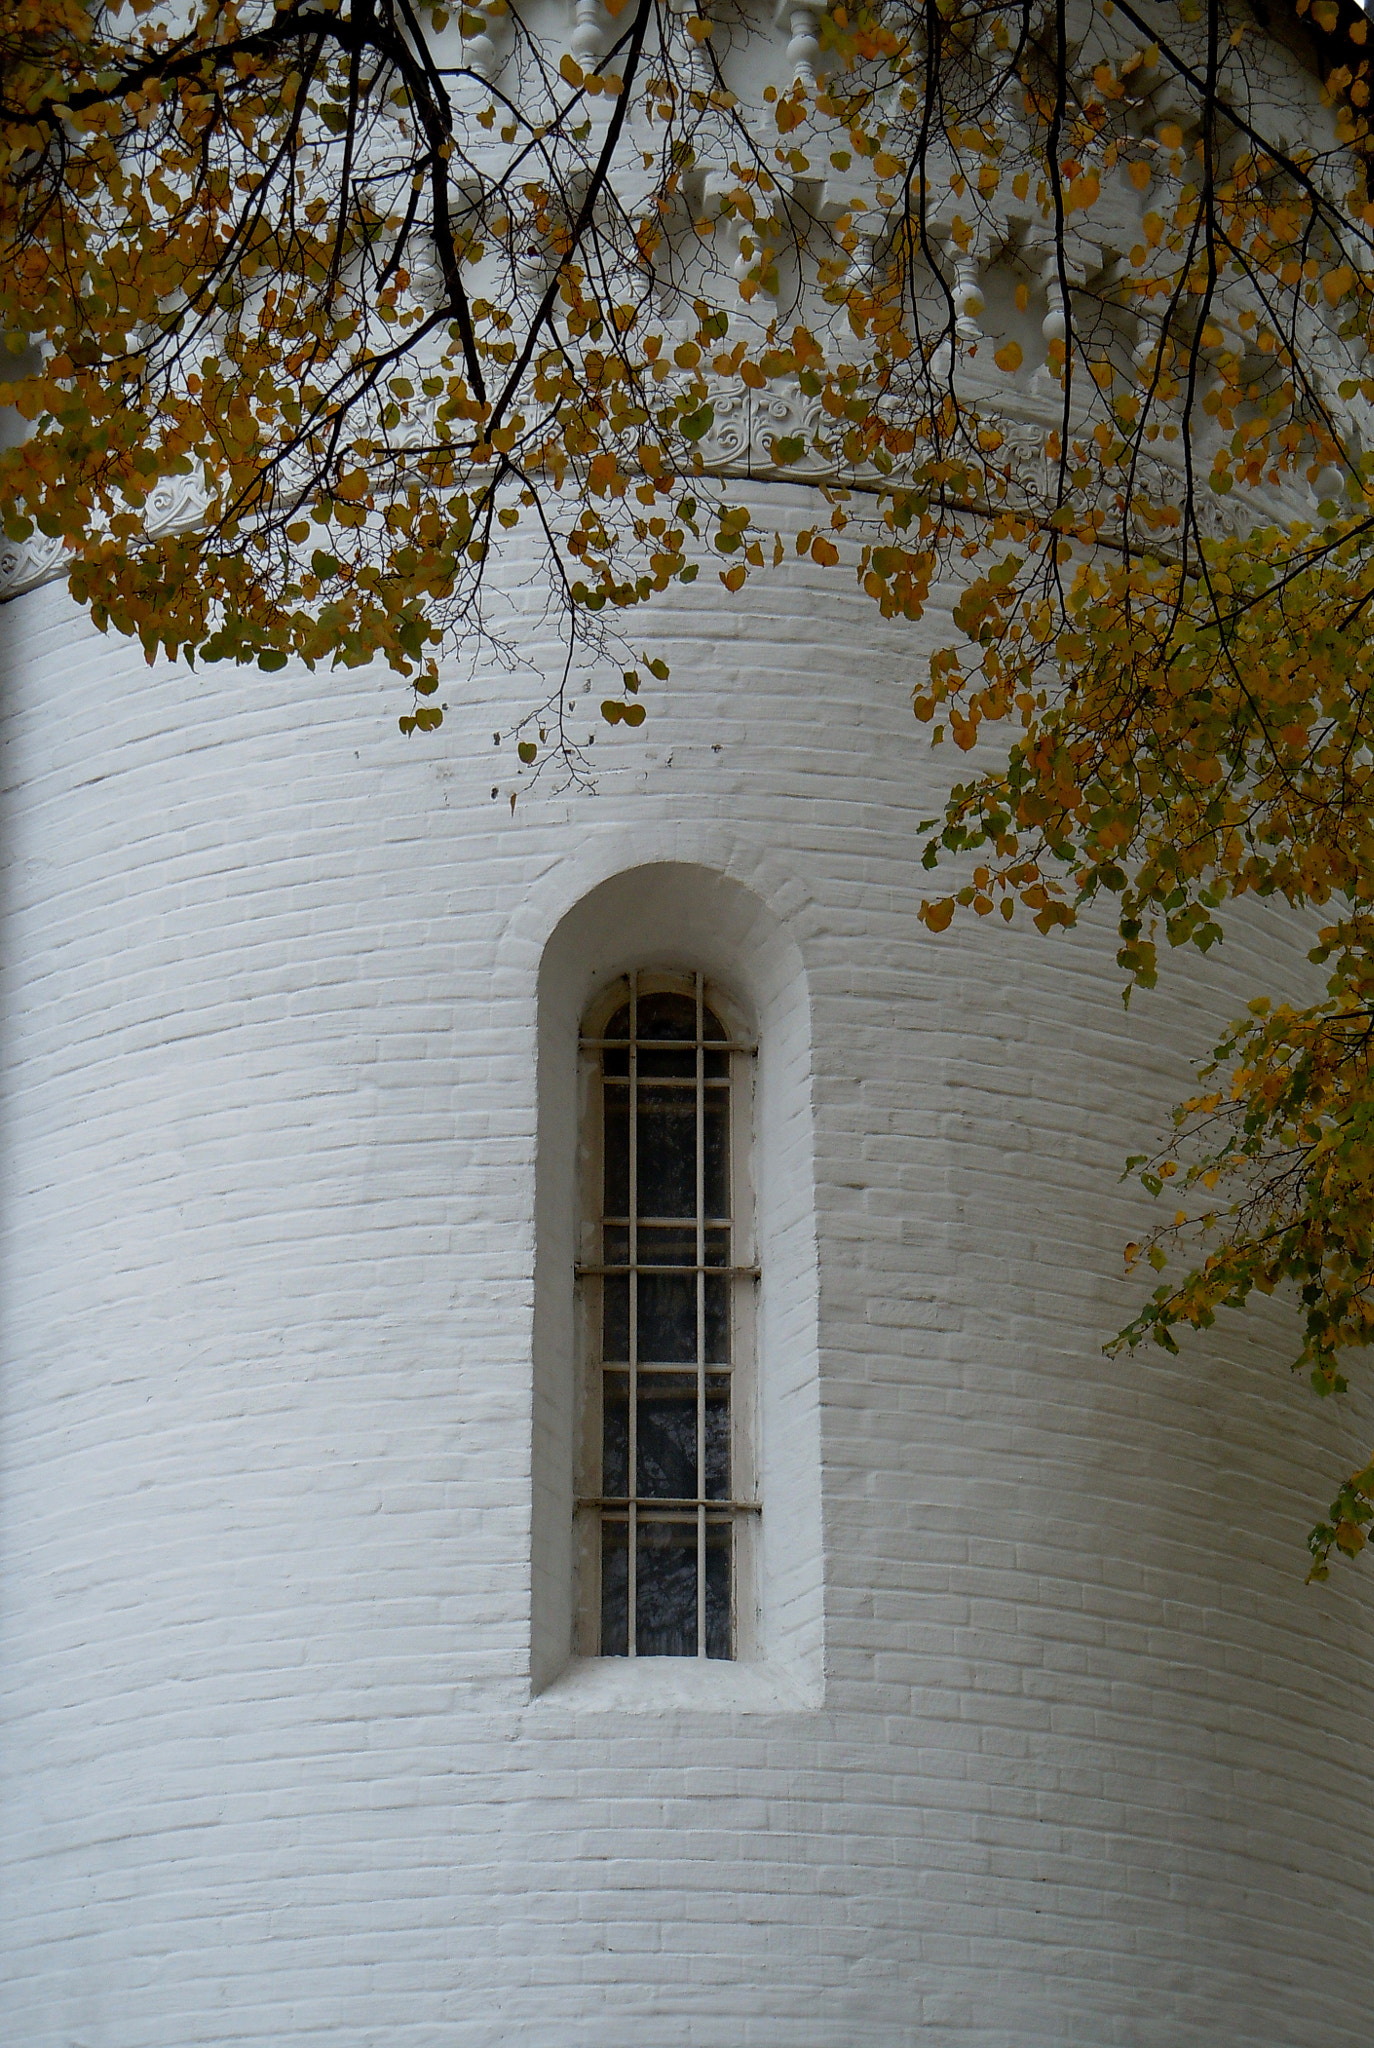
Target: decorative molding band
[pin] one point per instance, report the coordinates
(174, 506)
(24, 564)
(738, 446)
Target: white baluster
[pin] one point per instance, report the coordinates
(804, 50)
(968, 298)
(479, 51)
(1055, 325)
(589, 33)
(864, 260)
(700, 78)
(1146, 352)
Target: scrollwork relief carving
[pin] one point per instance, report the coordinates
(175, 505)
(740, 444)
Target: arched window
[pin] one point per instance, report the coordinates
(666, 1491)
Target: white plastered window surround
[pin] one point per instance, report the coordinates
(663, 925)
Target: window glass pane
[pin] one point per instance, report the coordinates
(682, 1443)
(667, 1244)
(716, 1164)
(716, 1065)
(666, 1447)
(668, 1016)
(616, 1194)
(717, 1437)
(666, 1589)
(670, 1066)
(718, 1548)
(668, 1318)
(615, 1435)
(615, 1588)
(615, 1318)
(717, 1320)
(666, 1151)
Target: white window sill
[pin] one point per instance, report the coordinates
(620, 1685)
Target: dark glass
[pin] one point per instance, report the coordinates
(668, 1318)
(615, 1590)
(666, 1589)
(670, 1244)
(666, 1442)
(666, 1017)
(666, 1152)
(616, 1148)
(717, 1437)
(717, 1320)
(615, 1435)
(615, 1319)
(613, 1061)
(715, 1165)
(718, 1589)
(674, 1459)
(670, 1066)
(669, 1016)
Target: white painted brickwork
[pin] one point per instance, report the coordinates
(1089, 1767)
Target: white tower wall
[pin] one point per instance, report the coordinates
(1052, 1745)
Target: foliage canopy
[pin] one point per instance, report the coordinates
(1070, 300)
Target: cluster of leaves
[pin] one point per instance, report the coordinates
(1294, 1124)
(378, 285)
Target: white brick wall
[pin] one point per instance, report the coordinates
(1092, 1766)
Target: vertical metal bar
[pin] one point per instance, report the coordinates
(701, 1316)
(632, 1476)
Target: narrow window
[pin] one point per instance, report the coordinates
(668, 1467)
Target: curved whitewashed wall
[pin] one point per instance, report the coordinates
(1083, 1762)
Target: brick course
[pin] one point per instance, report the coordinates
(1091, 1764)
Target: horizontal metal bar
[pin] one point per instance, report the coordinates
(666, 1222)
(726, 1272)
(682, 1081)
(665, 1044)
(656, 1506)
(685, 1366)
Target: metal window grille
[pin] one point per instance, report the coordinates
(663, 1322)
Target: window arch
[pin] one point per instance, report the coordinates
(667, 1499)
